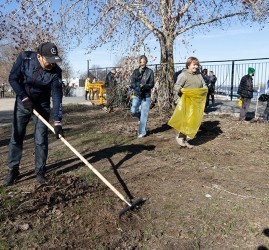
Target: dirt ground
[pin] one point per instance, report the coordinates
(214, 196)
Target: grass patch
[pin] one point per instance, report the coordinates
(4, 245)
(8, 203)
(88, 176)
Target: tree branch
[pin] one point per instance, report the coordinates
(35, 6)
(207, 22)
(141, 17)
(183, 10)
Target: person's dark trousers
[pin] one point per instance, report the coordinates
(21, 118)
(110, 97)
(86, 95)
(244, 108)
(266, 112)
(207, 101)
(212, 99)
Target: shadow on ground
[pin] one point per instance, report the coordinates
(164, 127)
(213, 107)
(208, 131)
(266, 233)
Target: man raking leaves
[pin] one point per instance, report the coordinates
(33, 77)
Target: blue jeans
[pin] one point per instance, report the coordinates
(21, 118)
(142, 114)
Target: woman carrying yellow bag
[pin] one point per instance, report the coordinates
(188, 114)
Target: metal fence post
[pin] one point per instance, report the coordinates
(232, 81)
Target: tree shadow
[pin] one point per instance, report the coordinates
(208, 131)
(6, 117)
(5, 142)
(131, 150)
(107, 153)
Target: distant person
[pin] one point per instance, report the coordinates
(110, 85)
(211, 87)
(266, 111)
(176, 75)
(34, 77)
(191, 89)
(205, 75)
(142, 82)
(94, 91)
(245, 91)
(87, 88)
(2, 90)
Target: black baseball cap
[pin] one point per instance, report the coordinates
(49, 51)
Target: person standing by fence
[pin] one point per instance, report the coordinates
(245, 91)
(206, 79)
(266, 111)
(110, 85)
(211, 86)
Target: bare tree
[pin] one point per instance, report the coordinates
(130, 24)
(66, 70)
(24, 28)
(6, 54)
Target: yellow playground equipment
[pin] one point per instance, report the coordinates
(100, 86)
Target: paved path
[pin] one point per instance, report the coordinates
(220, 107)
(7, 106)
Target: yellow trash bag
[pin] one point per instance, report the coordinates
(189, 112)
(240, 102)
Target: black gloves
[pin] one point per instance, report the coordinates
(27, 104)
(58, 129)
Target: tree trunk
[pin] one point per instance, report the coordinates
(164, 77)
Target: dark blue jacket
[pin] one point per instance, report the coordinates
(146, 79)
(28, 79)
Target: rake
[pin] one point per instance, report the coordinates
(131, 205)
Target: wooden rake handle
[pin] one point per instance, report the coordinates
(83, 159)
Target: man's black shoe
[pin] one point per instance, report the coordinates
(11, 177)
(41, 179)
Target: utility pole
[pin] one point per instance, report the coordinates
(88, 65)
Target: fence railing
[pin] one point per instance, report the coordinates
(228, 73)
